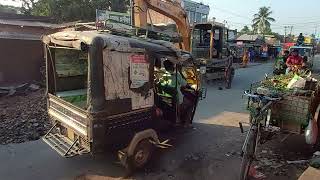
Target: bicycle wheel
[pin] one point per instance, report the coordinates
(248, 155)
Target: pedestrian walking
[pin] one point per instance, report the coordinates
(245, 58)
(251, 55)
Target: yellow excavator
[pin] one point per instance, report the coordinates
(169, 8)
(206, 41)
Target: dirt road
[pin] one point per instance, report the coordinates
(209, 151)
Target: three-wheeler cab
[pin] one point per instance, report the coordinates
(113, 92)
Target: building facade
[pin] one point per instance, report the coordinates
(197, 12)
(22, 58)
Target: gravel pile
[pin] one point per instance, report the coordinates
(23, 117)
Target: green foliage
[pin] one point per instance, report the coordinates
(72, 10)
(245, 30)
(278, 36)
(262, 21)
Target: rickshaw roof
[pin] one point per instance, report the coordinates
(74, 39)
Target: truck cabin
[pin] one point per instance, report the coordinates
(208, 40)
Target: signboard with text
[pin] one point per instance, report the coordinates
(111, 16)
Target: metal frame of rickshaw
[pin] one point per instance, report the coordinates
(95, 118)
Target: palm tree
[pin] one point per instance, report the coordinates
(262, 20)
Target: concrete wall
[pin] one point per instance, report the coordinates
(20, 61)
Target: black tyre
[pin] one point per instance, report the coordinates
(248, 154)
(142, 154)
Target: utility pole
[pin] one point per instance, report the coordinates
(285, 33)
(291, 27)
(132, 13)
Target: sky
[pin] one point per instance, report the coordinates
(10, 2)
(303, 15)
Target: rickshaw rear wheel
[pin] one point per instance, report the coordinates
(141, 155)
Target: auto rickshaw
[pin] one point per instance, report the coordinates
(103, 93)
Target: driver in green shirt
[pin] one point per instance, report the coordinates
(176, 80)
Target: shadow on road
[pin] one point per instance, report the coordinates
(210, 150)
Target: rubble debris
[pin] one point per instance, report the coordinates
(23, 116)
(34, 87)
(253, 172)
(298, 162)
(22, 88)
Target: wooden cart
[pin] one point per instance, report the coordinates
(296, 109)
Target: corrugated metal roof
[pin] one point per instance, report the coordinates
(247, 37)
(23, 17)
(30, 24)
(21, 36)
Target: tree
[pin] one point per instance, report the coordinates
(72, 10)
(262, 20)
(245, 30)
(9, 9)
(27, 6)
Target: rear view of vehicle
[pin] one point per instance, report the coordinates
(67, 76)
(100, 95)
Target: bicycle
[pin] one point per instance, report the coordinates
(258, 120)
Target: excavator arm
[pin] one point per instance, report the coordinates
(169, 8)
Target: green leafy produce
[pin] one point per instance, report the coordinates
(279, 83)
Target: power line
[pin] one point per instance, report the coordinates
(232, 13)
(295, 25)
(247, 24)
(299, 17)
